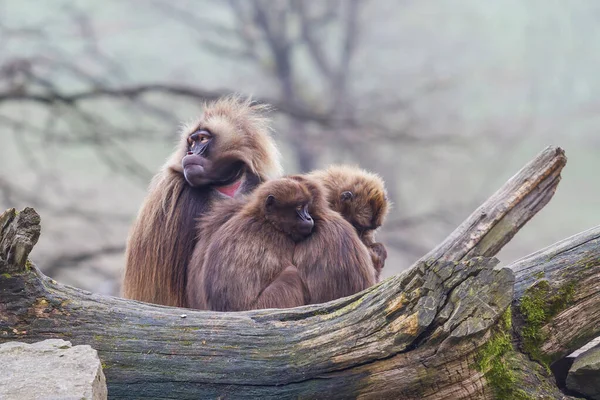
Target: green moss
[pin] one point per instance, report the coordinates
(492, 362)
(28, 265)
(539, 275)
(538, 306)
(331, 314)
(562, 299)
(493, 350)
(6, 275)
(190, 329)
(490, 359)
(506, 320)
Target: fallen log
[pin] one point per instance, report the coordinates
(440, 330)
(557, 297)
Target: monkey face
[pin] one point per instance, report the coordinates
(358, 195)
(304, 222)
(229, 148)
(364, 209)
(288, 211)
(195, 164)
(207, 162)
(356, 210)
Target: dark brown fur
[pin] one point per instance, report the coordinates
(246, 262)
(163, 237)
(246, 254)
(366, 208)
(208, 224)
(333, 262)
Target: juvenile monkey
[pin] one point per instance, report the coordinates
(248, 263)
(361, 198)
(333, 262)
(224, 154)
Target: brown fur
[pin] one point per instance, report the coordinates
(248, 261)
(208, 224)
(366, 210)
(163, 237)
(333, 262)
(242, 264)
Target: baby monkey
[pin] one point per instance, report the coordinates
(361, 198)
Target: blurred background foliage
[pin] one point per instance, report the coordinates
(445, 99)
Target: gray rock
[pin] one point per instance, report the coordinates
(584, 375)
(51, 369)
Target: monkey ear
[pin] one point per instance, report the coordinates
(270, 202)
(345, 196)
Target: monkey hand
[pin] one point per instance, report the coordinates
(287, 290)
(291, 275)
(378, 255)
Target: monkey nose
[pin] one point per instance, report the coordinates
(306, 227)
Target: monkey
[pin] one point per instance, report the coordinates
(248, 257)
(249, 247)
(208, 224)
(227, 152)
(333, 261)
(361, 198)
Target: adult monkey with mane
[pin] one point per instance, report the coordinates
(361, 198)
(227, 152)
(267, 251)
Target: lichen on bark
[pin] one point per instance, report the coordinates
(538, 306)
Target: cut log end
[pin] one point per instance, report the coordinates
(19, 232)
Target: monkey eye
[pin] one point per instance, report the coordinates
(302, 207)
(201, 136)
(348, 195)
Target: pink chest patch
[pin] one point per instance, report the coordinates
(229, 190)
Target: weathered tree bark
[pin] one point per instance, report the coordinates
(557, 297)
(440, 330)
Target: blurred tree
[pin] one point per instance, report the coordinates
(57, 95)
